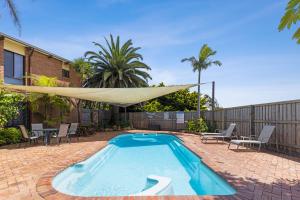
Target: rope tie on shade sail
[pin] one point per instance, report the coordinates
(117, 96)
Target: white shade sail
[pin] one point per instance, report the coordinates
(117, 96)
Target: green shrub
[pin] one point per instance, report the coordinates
(124, 124)
(211, 127)
(9, 106)
(198, 125)
(10, 136)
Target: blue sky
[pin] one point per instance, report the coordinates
(259, 63)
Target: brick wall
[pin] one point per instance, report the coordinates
(49, 66)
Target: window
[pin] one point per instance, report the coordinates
(18, 69)
(65, 73)
(8, 64)
(13, 67)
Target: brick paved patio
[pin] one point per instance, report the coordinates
(26, 173)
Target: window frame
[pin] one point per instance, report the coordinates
(13, 63)
(67, 75)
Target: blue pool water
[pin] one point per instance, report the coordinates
(122, 168)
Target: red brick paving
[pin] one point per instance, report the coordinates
(26, 173)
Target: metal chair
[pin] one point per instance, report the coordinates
(73, 131)
(63, 132)
(26, 136)
(36, 129)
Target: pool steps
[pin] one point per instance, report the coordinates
(188, 159)
(159, 185)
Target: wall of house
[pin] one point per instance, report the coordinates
(41, 64)
(14, 47)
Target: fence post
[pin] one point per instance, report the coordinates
(224, 118)
(252, 117)
(213, 105)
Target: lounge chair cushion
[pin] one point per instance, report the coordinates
(203, 134)
(245, 141)
(215, 136)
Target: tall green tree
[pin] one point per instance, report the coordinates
(117, 65)
(13, 12)
(85, 70)
(201, 63)
(291, 17)
(45, 104)
(182, 100)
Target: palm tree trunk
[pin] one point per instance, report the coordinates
(199, 96)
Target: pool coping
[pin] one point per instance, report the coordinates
(45, 189)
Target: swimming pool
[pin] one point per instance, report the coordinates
(141, 164)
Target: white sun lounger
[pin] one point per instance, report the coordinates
(230, 128)
(263, 138)
(225, 134)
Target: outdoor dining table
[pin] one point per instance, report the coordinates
(47, 133)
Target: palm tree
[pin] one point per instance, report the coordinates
(117, 66)
(202, 63)
(13, 12)
(291, 16)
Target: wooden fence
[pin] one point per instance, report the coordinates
(95, 117)
(249, 119)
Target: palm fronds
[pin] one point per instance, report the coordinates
(291, 16)
(14, 13)
(117, 65)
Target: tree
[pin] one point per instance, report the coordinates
(182, 100)
(45, 104)
(14, 13)
(117, 66)
(10, 106)
(291, 17)
(85, 70)
(202, 63)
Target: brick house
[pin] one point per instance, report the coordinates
(18, 59)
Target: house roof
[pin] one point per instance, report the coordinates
(3, 35)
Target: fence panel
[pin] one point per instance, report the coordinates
(85, 116)
(249, 119)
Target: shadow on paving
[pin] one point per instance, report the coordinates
(251, 188)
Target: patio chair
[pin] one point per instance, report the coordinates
(73, 131)
(223, 135)
(231, 127)
(263, 138)
(62, 132)
(26, 135)
(36, 129)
